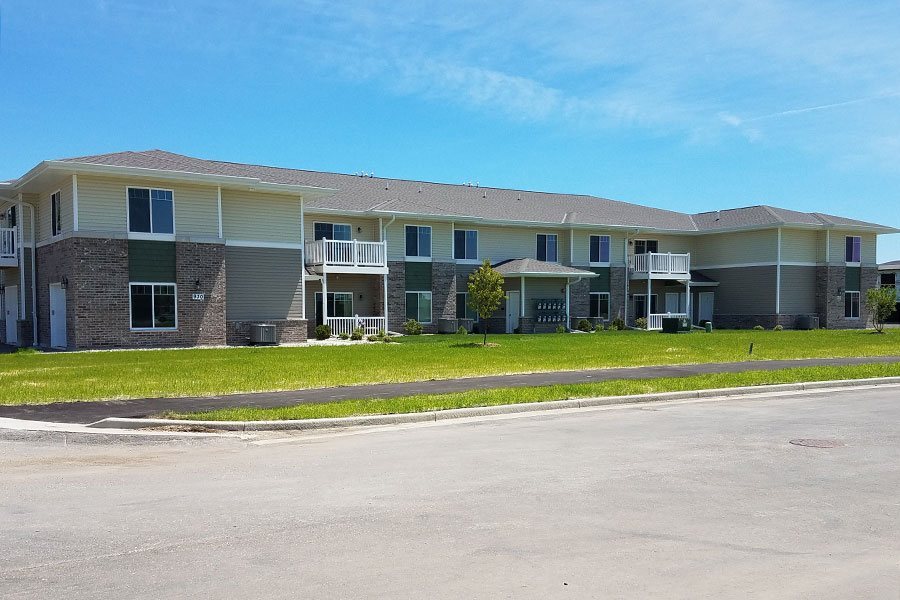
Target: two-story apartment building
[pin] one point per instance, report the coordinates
(145, 249)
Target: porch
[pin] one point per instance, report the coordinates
(345, 302)
(346, 256)
(656, 265)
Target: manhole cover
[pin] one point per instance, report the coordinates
(817, 443)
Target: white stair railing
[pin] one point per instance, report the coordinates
(369, 325)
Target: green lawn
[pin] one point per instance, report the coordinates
(31, 377)
(619, 387)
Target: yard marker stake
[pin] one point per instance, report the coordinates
(751, 347)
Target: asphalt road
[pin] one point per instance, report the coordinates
(90, 412)
(691, 500)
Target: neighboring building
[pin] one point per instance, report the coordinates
(157, 249)
(889, 276)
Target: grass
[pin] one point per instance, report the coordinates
(494, 397)
(29, 377)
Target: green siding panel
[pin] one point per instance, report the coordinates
(418, 276)
(852, 279)
(601, 282)
(151, 261)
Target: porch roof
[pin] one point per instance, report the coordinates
(698, 279)
(529, 267)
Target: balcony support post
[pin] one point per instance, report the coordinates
(385, 311)
(325, 298)
(649, 289)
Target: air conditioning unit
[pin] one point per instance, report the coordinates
(262, 333)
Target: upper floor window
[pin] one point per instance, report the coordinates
(646, 246)
(853, 249)
(55, 214)
(418, 240)
(546, 247)
(331, 231)
(150, 211)
(465, 244)
(600, 249)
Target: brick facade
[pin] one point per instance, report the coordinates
(830, 282)
(443, 293)
(396, 295)
(56, 264)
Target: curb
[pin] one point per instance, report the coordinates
(459, 413)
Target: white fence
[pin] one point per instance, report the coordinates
(349, 253)
(370, 325)
(654, 323)
(7, 243)
(656, 263)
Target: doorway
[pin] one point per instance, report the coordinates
(513, 304)
(11, 302)
(57, 316)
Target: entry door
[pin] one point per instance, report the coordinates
(57, 316)
(11, 301)
(706, 306)
(513, 306)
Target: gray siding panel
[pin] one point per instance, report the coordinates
(798, 290)
(744, 290)
(262, 284)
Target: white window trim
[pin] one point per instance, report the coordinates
(636, 296)
(58, 194)
(152, 305)
(600, 263)
(429, 258)
(556, 235)
(142, 235)
(851, 263)
(430, 312)
(352, 313)
(467, 261)
(645, 240)
(858, 304)
(466, 294)
(608, 300)
(333, 224)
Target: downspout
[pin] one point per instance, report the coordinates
(34, 325)
(20, 225)
(383, 227)
(778, 280)
(302, 251)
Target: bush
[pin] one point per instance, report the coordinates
(758, 328)
(641, 322)
(778, 328)
(560, 329)
(381, 333)
(373, 338)
(618, 324)
(585, 325)
(462, 331)
(599, 327)
(388, 339)
(357, 334)
(413, 327)
(323, 332)
(344, 336)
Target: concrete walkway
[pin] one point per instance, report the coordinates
(89, 412)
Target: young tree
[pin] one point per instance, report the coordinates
(880, 303)
(485, 293)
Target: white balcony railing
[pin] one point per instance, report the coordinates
(370, 325)
(654, 323)
(346, 253)
(7, 244)
(655, 263)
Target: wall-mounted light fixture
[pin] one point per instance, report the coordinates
(197, 283)
(64, 282)
(359, 230)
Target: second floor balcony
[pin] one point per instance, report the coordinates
(346, 256)
(659, 265)
(8, 250)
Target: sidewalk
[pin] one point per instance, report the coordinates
(89, 412)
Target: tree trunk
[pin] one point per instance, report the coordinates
(484, 343)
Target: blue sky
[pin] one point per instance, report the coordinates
(685, 105)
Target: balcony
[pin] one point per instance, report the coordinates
(347, 256)
(655, 265)
(8, 253)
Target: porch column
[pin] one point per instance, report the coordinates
(522, 297)
(325, 298)
(568, 312)
(385, 311)
(687, 301)
(649, 289)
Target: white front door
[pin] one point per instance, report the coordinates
(11, 302)
(706, 305)
(513, 305)
(57, 315)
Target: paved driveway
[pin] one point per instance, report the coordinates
(690, 500)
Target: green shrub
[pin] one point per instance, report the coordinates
(462, 331)
(758, 328)
(381, 333)
(560, 329)
(344, 336)
(618, 324)
(778, 328)
(373, 338)
(388, 339)
(413, 327)
(357, 334)
(323, 332)
(641, 322)
(599, 326)
(585, 325)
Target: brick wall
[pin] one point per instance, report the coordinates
(56, 264)
(443, 293)
(830, 281)
(293, 331)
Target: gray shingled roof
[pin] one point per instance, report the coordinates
(530, 266)
(893, 265)
(386, 196)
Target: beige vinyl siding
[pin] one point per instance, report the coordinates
(735, 248)
(369, 227)
(744, 291)
(44, 214)
(798, 290)
(441, 240)
(365, 290)
(799, 245)
(582, 253)
(255, 216)
(24, 216)
(503, 243)
(102, 205)
(263, 284)
(838, 247)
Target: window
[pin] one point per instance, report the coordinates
(418, 306)
(55, 216)
(153, 306)
(853, 249)
(465, 244)
(640, 305)
(646, 246)
(546, 247)
(600, 305)
(11, 217)
(418, 241)
(150, 211)
(600, 249)
(340, 304)
(331, 231)
(851, 305)
(463, 310)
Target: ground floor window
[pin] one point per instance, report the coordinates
(153, 306)
(640, 305)
(851, 305)
(418, 306)
(340, 304)
(463, 310)
(600, 305)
